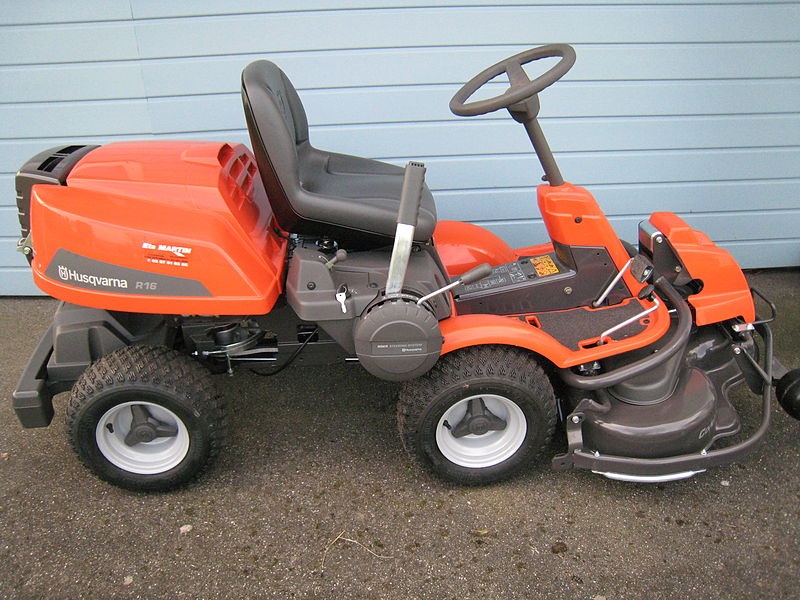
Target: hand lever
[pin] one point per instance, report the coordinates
(647, 293)
(473, 275)
(340, 256)
(411, 195)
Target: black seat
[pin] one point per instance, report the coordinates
(350, 199)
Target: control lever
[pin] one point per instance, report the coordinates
(411, 194)
(647, 293)
(340, 256)
(641, 269)
(612, 284)
(480, 272)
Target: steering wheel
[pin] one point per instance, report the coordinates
(520, 86)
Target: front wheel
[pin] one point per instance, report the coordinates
(146, 418)
(479, 415)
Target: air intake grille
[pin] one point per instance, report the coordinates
(236, 175)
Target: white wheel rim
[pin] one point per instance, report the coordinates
(144, 458)
(489, 449)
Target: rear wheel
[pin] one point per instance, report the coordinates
(479, 415)
(146, 418)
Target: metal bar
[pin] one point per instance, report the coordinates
(608, 289)
(630, 320)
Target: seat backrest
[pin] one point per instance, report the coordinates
(276, 121)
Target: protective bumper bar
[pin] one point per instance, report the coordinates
(76, 338)
(33, 397)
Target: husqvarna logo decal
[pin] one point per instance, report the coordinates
(71, 275)
(82, 272)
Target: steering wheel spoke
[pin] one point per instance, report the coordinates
(517, 75)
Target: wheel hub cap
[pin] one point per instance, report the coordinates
(142, 437)
(478, 420)
(488, 430)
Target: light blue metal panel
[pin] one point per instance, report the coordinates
(72, 119)
(624, 200)
(733, 58)
(764, 253)
(9, 257)
(589, 169)
(16, 281)
(394, 28)
(452, 66)
(565, 135)
(688, 107)
(13, 12)
(151, 9)
(68, 43)
(568, 99)
(96, 81)
(418, 106)
(701, 197)
(9, 226)
(7, 185)
(742, 225)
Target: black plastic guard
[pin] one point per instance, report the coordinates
(49, 167)
(77, 337)
(32, 399)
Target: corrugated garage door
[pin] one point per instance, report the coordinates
(671, 106)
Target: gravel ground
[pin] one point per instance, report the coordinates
(314, 498)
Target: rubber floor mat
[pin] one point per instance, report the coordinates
(570, 327)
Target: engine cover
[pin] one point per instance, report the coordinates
(157, 227)
(396, 339)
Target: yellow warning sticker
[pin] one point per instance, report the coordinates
(544, 265)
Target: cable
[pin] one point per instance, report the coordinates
(289, 360)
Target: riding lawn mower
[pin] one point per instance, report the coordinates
(175, 260)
